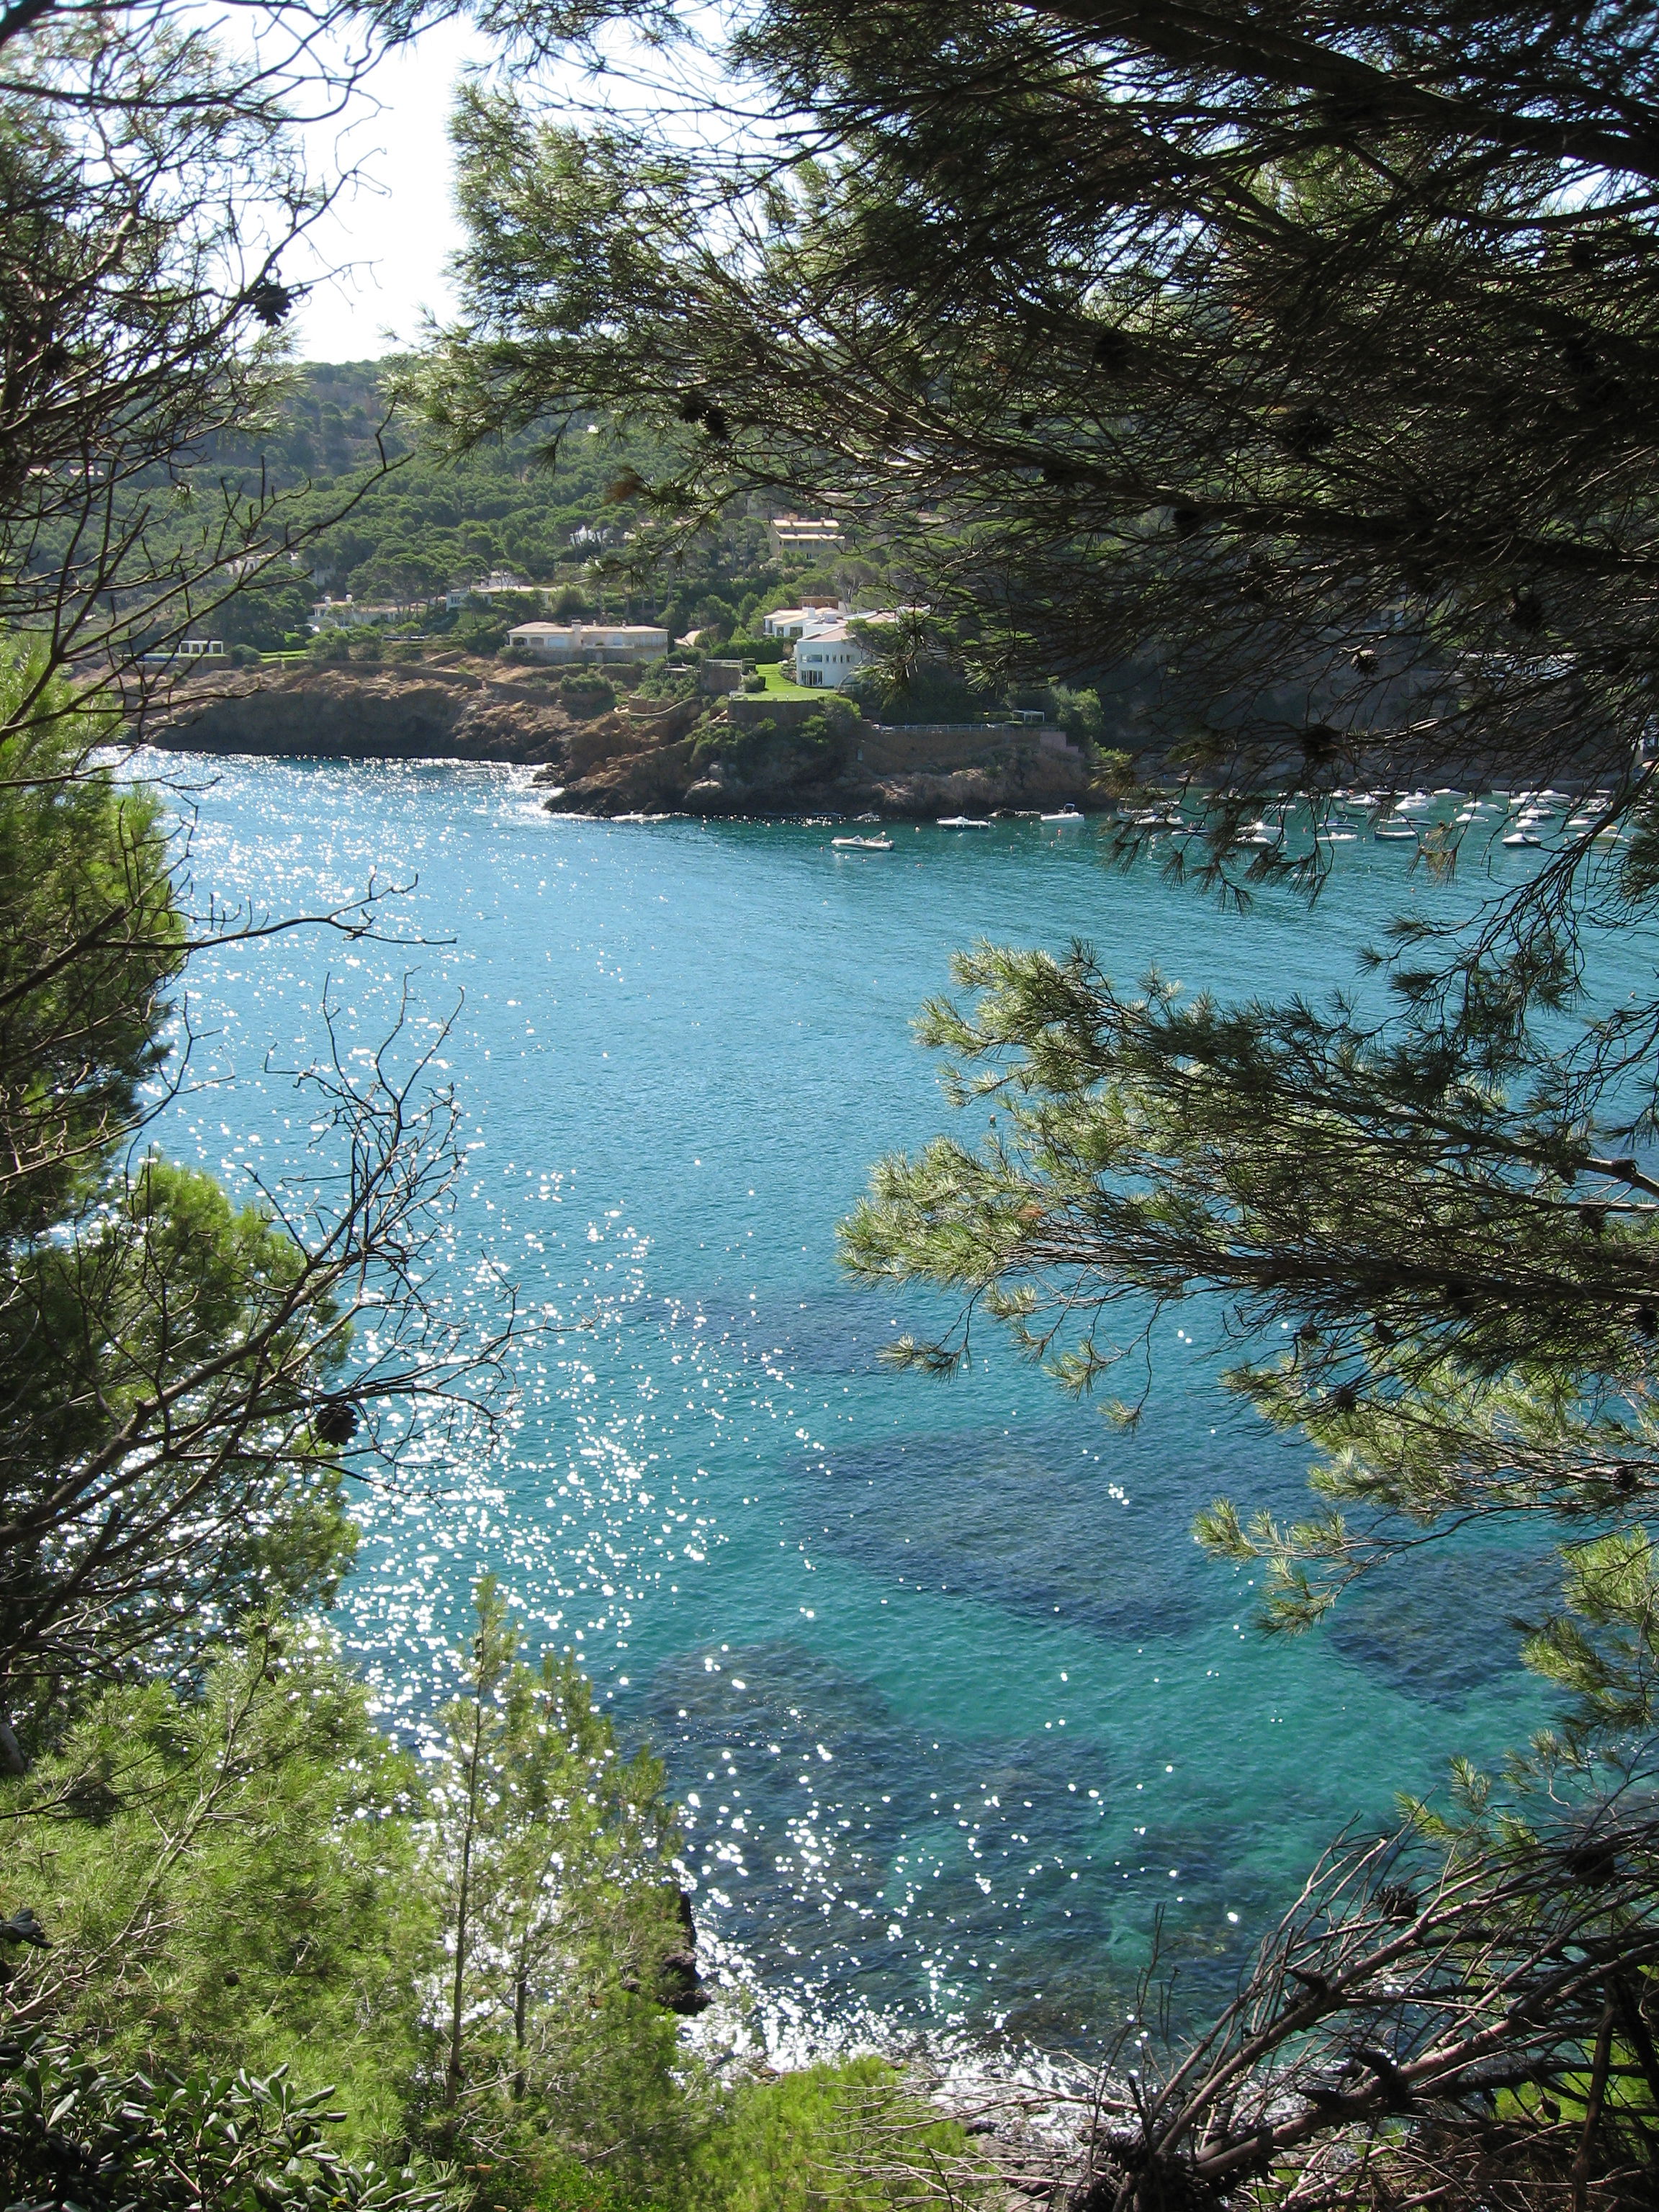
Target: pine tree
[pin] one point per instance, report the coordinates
(553, 1853)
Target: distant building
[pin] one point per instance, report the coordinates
(795, 532)
(485, 590)
(190, 648)
(803, 620)
(351, 614)
(826, 657)
(581, 640)
(827, 652)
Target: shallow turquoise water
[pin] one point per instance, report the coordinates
(955, 1707)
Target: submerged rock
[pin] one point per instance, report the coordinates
(680, 1987)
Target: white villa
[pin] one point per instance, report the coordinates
(798, 622)
(605, 640)
(827, 657)
(827, 652)
(189, 648)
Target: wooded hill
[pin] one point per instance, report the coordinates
(403, 519)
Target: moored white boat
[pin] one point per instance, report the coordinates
(962, 822)
(862, 844)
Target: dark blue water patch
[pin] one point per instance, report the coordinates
(820, 1333)
(1444, 1622)
(1031, 1521)
(856, 1857)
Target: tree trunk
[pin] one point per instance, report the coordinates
(463, 1905)
(520, 2011)
(12, 1761)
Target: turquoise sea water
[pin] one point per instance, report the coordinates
(955, 1707)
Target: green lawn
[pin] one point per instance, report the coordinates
(778, 685)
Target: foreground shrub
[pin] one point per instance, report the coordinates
(73, 2139)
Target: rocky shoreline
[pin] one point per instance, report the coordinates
(732, 756)
(728, 757)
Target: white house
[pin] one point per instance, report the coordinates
(827, 657)
(605, 640)
(812, 615)
(828, 652)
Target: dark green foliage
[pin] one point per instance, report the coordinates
(933, 693)
(584, 693)
(225, 1880)
(73, 2138)
(763, 753)
(156, 1346)
(436, 519)
(550, 1858)
(85, 868)
(1285, 374)
(667, 679)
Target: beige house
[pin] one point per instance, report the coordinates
(800, 532)
(582, 641)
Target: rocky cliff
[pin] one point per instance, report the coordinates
(701, 755)
(439, 709)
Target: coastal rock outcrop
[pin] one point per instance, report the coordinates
(719, 765)
(419, 710)
(732, 756)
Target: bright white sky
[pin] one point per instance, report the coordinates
(397, 228)
(394, 231)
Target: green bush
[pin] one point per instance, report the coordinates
(763, 753)
(932, 693)
(584, 693)
(667, 679)
(72, 2135)
(848, 2138)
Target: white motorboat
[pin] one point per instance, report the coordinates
(1153, 820)
(963, 822)
(1067, 814)
(1522, 837)
(1394, 833)
(862, 844)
